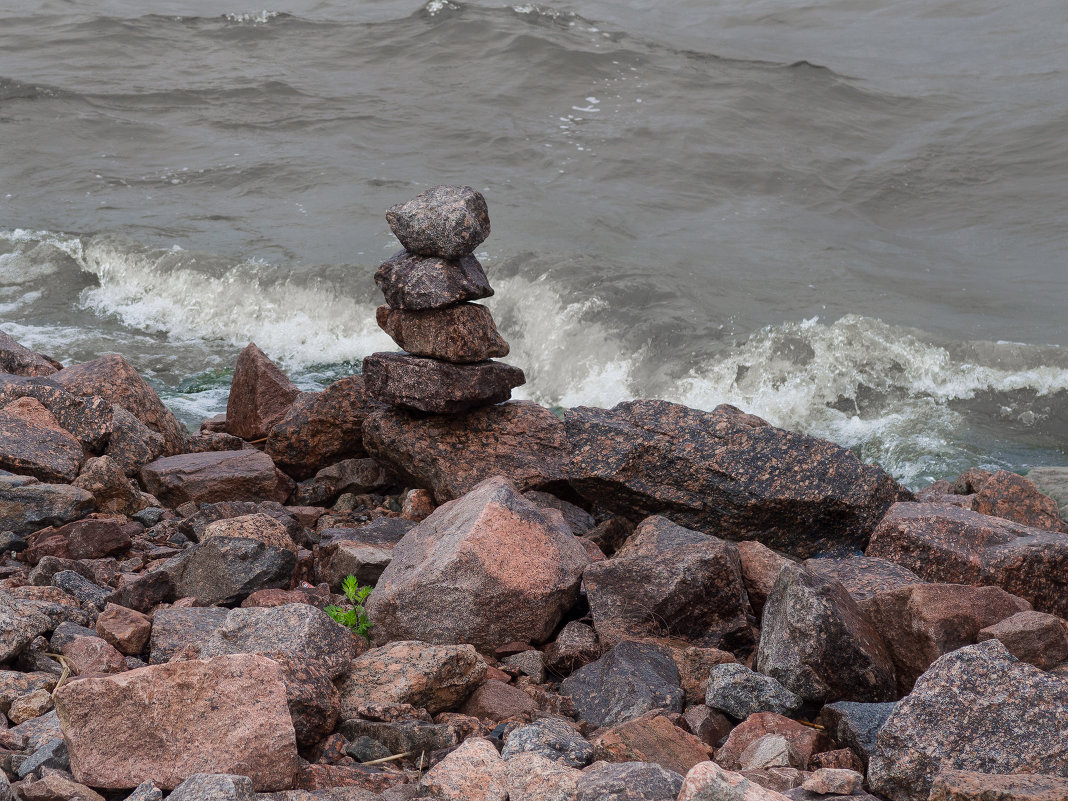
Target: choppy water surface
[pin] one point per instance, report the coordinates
(848, 218)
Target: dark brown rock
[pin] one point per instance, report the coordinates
(505, 569)
(260, 395)
(461, 333)
(963, 785)
(864, 576)
(132, 444)
(971, 481)
(976, 709)
(816, 642)
(727, 473)
(32, 443)
(1034, 637)
(116, 381)
(760, 570)
(445, 221)
(450, 455)
(576, 645)
(358, 476)
(417, 283)
(668, 580)
(946, 544)
(20, 360)
(113, 491)
(1013, 497)
(125, 629)
(496, 701)
(921, 622)
(214, 476)
(313, 700)
(428, 385)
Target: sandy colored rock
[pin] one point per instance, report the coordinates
(1015, 498)
(55, 787)
(1034, 637)
(832, 781)
(445, 221)
(223, 715)
(260, 395)
(260, 527)
(473, 772)
(532, 777)
(428, 385)
(461, 333)
(125, 629)
(29, 706)
(214, 476)
(410, 281)
(651, 738)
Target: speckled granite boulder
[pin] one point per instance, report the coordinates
(444, 221)
(461, 333)
(88, 419)
(728, 473)
(552, 738)
(964, 785)
(19, 360)
(214, 787)
(32, 443)
(856, 725)
(651, 738)
(429, 385)
(246, 475)
(947, 544)
(975, 709)
(410, 281)
(1034, 637)
(739, 691)
(864, 576)
(473, 772)
(707, 781)
(1013, 497)
(627, 781)
(260, 395)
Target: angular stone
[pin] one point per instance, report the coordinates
(739, 691)
(113, 491)
(93, 655)
(401, 736)
(552, 738)
(769, 751)
(116, 381)
(505, 569)
(19, 625)
(831, 781)
(14, 684)
(125, 629)
(496, 701)
(534, 778)
(214, 476)
(817, 643)
(146, 791)
(707, 781)
(226, 570)
(260, 395)
(132, 444)
(1013, 497)
(760, 569)
(414, 282)
(87, 419)
(445, 221)
(695, 666)
(214, 787)
(257, 526)
(435, 677)
(54, 787)
(919, 623)
(575, 646)
(670, 580)
(1034, 637)
(337, 560)
(176, 629)
(358, 476)
(460, 334)
(428, 385)
(19, 360)
(35, 445)
(314, 702)
(473, 772)
(975, 709)
(145, 591)
(963, 785)
(710, 726)
(27, 505)
(294, 629)
(726, 473)
(856, 725)
(947, 544)
(223, 715)
(450, 455)
(651, 738)
(627, 781)
(29, 706)
(196, 525)
(1052, 481)
(804, 741)
(630, 680)
(576, 517)
(96, 538)
(864, 576)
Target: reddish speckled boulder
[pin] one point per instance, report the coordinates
(215, 476)
(707, 781)
(461, 333)
(428, 385)
(410, 281)
(1013, 497)
(727, 473)
(947, 544)
(450, 455)
(473, 772)
(864, 576)
(32, 443)
(1033, 637)
(260, 395)
(505, 569)
(19, 360)
(166, 722)
(964, 785)
(760, 570)
(445, 221)
(975, 709)
(804, 740)
(651, 738)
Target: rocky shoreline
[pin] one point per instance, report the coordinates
(642, 603)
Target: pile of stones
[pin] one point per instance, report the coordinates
(449, 343)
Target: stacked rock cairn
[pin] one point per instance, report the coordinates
(449, 342)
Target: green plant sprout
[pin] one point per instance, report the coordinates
(356, 617)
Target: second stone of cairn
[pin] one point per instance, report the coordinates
(450, 343)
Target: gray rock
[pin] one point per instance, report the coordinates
(628, 681)
(214, 787)
(628, 781)
(20, 623)
(855, 725)
(10, 541)
(429, 385)
(401, 737)
(39, 731)
(975, 709)
(298, 630)
(817, 643)
(365, 749)
(414, 282)
(552, 738)
(176, 629)
(26, 505)
(195, 525)
(358, 476)
(81, 588)
(46, 569)
(739, 691)
(530, 663)
(149, 517)
(146, 791)
(445, 221)
(343, 558)
(226, 570)
(50, 754)
(66, 633)
(5, 788)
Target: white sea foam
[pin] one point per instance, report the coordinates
(251, 17)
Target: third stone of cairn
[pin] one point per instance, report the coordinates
(450, 342)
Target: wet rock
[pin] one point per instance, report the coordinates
(358, 476)
(856, 725)
(496, 701)
(132, 444)
(444, 221)
(817, 643)
(260, 395)
(176, 629)
(1013, 497)
(575, 646)
(226, 570)
(975, 709)
(223, 715)
(552, 738)
(116, 381)
(257, 526)
(760, 569)
(919, 623)
(535, 778)
(461, 333)
(435, 677)
(113, 491)
(864, 576)
(214, 476)
(803, 740)
(963, 785)
(670, 580)
(1034, 637)
(651, 738)
(628, 781)
(414, 282)
(20, 360)
(32, 443)
(739, 691)
(707, 781)
(87, 419)
(947, 544)
(628, 681)
(505, 569)
(450, 455)
(294, 629)
(473, 772)
(26, 505)
(428, 385)
(727, 473)
(125, 629)
(214, 787)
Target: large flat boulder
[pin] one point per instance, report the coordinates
(504, 569)
(164, 723)
(247, 475)
(450, 455)
(944, 543)
(726, 473)
(429, 385)
(260, 395)
(27, 505)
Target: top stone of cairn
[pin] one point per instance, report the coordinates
(446, 221)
